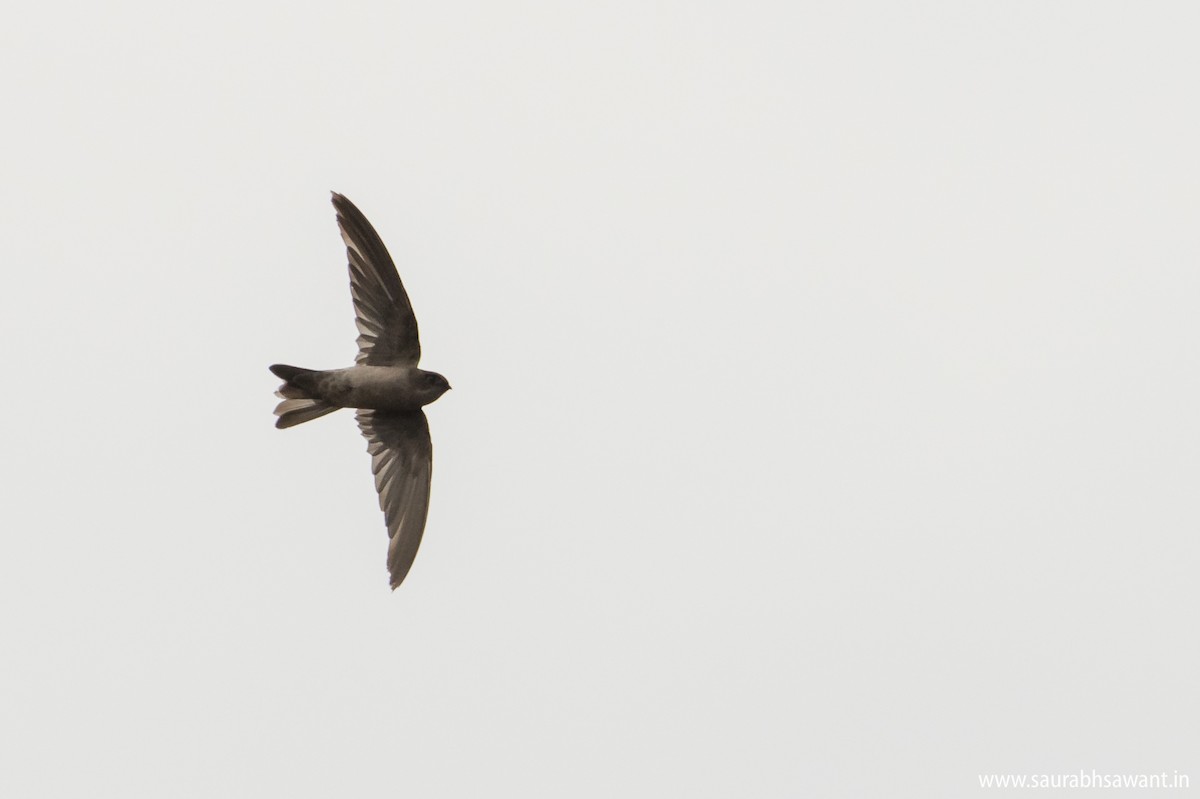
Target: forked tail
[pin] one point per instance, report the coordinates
(297, 392)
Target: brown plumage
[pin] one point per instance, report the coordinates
(385, 386)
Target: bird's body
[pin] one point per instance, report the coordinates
(385, 385)
(377, 388)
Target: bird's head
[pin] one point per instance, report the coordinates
(431, 385)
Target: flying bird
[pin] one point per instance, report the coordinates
(384, 385)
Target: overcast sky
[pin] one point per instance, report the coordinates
(826, 414)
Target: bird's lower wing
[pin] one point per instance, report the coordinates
(402, 460)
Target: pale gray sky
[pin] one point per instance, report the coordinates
(826, 416)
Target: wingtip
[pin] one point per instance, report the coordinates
(395, 580)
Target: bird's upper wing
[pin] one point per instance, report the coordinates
(386, 324)
(402, 460)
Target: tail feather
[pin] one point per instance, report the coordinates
(299, 405)
(292, 374)
(292, 412)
